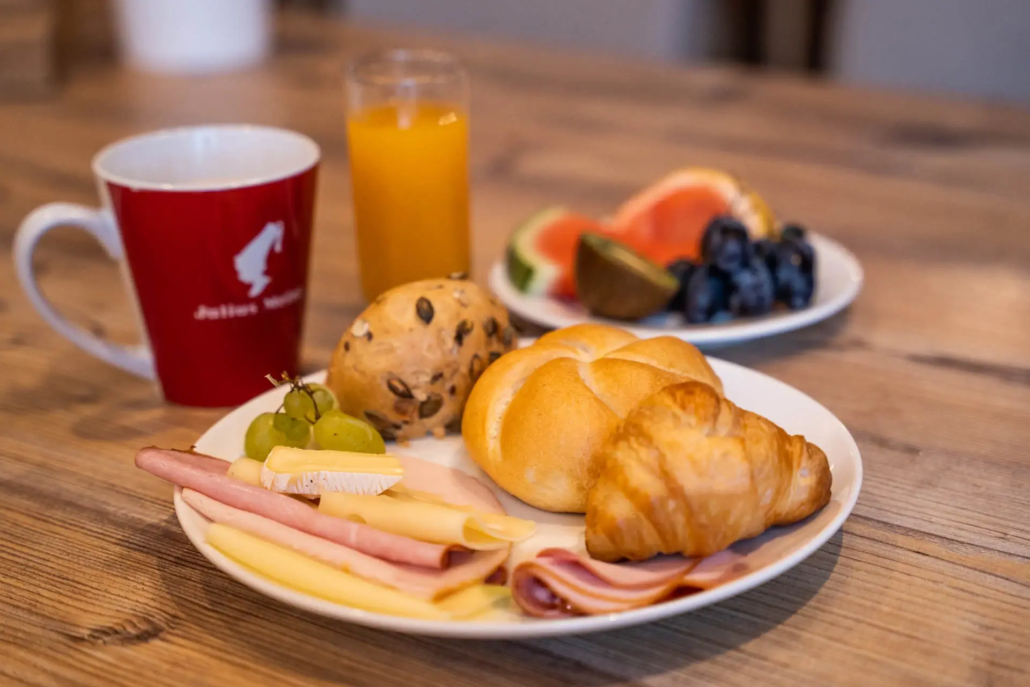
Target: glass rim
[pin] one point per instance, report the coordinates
(450, 68)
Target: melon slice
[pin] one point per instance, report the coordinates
(542, 252)
(665, 221)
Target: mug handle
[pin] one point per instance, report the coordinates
(138, 360)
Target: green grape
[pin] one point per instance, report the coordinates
(324, 398)
(261, 436)
(295, 433)
(269, 430)
(337, 431)
(298, 403)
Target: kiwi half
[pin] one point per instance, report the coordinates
(614, 281)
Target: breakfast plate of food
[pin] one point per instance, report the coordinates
(444, 478)
(697, 255)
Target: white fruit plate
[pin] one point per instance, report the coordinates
(838, 281)
(766, 556)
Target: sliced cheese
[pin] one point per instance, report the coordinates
(432, 522)
(311, 472)
(399, 491)
(479, 602)
(494, 522)
(246, 470)
(307, 575)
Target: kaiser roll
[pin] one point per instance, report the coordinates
(537, 416)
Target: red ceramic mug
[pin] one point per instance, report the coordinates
(212, 226)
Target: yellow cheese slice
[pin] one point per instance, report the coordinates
(294, 570)
(246, 470)
(492, 521)
(400, 491)
(310, 472)
(478, 602)
(311, 577)
(427, 521)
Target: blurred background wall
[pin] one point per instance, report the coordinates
(970, 47)
(973, 47)
(662, 29)
(963, 47)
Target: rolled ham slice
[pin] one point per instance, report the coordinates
(425, 583)
(210, 464)
(190, 471)
(559, 583)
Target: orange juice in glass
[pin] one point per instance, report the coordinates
(407, 128)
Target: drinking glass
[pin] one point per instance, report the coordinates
(408, 127)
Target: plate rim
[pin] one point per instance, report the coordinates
(528, 628)
(702, 335)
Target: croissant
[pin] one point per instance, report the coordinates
(689, 472)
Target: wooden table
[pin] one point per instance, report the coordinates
(929, 582)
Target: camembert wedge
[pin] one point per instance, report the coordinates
(310, 473)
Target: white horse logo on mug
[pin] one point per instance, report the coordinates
(252, 262)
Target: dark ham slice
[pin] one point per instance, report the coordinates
(559, 583)
(466, 568)
(192, 471)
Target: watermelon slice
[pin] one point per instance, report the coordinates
(665, 221)
(542, 252)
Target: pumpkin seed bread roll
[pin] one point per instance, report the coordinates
(407, 364)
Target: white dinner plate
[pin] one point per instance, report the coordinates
(769, 555)
(838, 281)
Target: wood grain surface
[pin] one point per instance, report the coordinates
(927, 584)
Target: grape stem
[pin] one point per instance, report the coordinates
(299, 385)
(314, 404)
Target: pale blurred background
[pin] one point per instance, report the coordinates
(971, 47)
(976, 48)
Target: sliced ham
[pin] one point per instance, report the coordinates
(215, 466)
(187, 470)
(466, 568)
(643, 575)
(559, 583)
(723, 567)
(449, 484)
